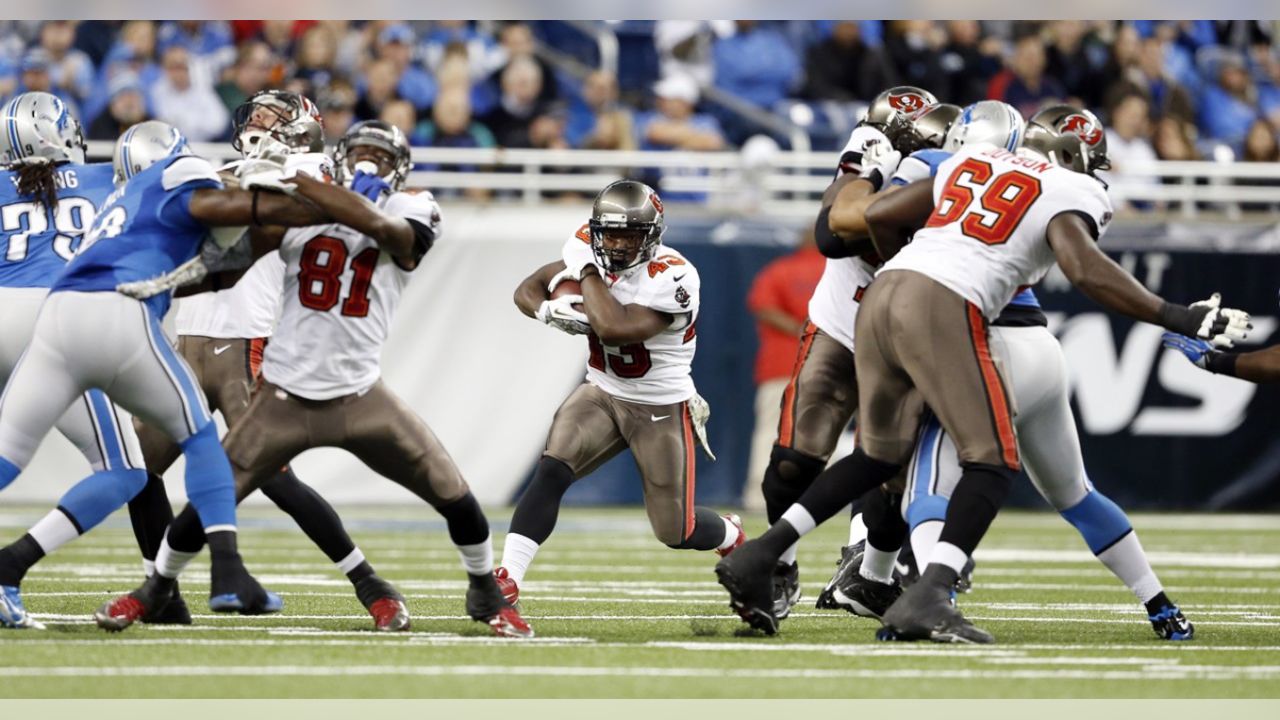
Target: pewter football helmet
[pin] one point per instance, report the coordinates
(626, 206)
(144, 145)
(987, 121)
(927, 128)
(1069, 136)
(286, 117)
(889, 112)
(38, 127)
(381, 135)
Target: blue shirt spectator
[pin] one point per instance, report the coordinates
(208, 42)
(70, 70)
(675, 126)
(756, 63)
(395, 43)
(1224, 112)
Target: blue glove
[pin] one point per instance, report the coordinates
(369, 185)
(1197, 351)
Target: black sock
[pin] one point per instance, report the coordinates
(150, 513)
(789, 474)
(222, 544)
(186, 534)
(17, 559)
(778, 537)
(846, 480)
(466, 520)
(886, 530)
(360, 572)
(539, 506)
(312, 513)
(855, 508)
(974, 504)
(1154, 605)
(708, 531)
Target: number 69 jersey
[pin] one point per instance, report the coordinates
(656, 371)
(340, 294)
(986, 236)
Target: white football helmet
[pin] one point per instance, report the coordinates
(987, 121)
(37, 127)
(145, 144)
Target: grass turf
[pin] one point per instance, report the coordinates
(619, 615)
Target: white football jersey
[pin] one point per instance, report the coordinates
(987, 234)
(834, 304)
(340, 294)
(249, 308)
(656, 371)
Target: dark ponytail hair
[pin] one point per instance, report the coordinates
(38, 181)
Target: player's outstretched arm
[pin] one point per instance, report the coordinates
(532, 291)
(401, 238)
(615, 323)
(1105, 282)
(893, 217)
(227, 207)
(1259, 366)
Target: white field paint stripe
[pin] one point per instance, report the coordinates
(1086, 661)
(878, 648)
(1158, 559)
(1160, 672)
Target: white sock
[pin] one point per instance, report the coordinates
(1129, 562)
(169, 562)
(944, 553)
(789, 555)
(477, 559)
(517, 555)
(857, 530)
(730, 534)
(148, 567)
(53, 531)
(878, 564)
(923, 539)
(799, 519)
(350, 562)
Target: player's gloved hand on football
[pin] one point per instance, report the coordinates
(879, 162)
(565, 274)
(577, 258)
(1199, 352)
(1224, 327)
(368, 183)
(560, 314)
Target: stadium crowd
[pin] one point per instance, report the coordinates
(1167, 90)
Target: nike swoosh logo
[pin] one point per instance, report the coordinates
(678, 278)
(220, 350)
(655, 418)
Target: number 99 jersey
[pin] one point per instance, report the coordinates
(340, 294)
(992, 209)
(40, 241)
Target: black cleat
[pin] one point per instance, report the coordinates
(154, 593)
(848, 566)
(384, 603)
(1170, 624)
(786, 589)
(486, 604)
(864, 597)
(233, 589)
(924, 612)
(173, 612)
(748, 576)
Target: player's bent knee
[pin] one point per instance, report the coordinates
(789, 474)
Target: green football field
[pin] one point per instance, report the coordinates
(619, 615)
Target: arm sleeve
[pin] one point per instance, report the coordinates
(422, 212)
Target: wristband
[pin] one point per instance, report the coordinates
(1180, 319)
(1222, 363)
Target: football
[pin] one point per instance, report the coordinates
(568, 287)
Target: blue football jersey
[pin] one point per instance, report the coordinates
(144, 230)
(36, 241)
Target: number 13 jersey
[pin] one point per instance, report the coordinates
(340, 294)
(987, 234)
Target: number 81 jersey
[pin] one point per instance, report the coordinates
(340, 294)
(987, 234)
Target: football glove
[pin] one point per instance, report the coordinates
(368, 183)
(879, 159)
(559, 314)
(1199, 352)
(565, 274)
(577, 258)
(1223, 327)
(263, 169)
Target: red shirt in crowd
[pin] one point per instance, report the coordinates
(785, 284)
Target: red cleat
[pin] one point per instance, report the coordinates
(508, 623)
(389, 615)
(120, 613)
(742, 536)
(510, 591)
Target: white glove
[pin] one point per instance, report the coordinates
(880, 156)
(565, 274)
(263, 169)
(577, 257)
(1224, 327)
(191, 271)
(559, 314)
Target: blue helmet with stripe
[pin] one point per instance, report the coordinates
(145, 144)
(38, 127)
(987, 121)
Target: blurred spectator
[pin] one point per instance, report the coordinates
(1023, 83)
(1168, 97)
(250, 73)
(451, 125)
(395, 44)
(517, 42)
(1268, 61)
(843, 67)
(521, 84)
(969, 60)
(599, 123)
(684, 47)
(1227, 107)
(337, 103)
(70, 70)
(1261, 144)
(401, 114)
(380, 81)
(1077, 61)
(546, 131)
(675, 125)
(209, 42)
(37, 76)
(279, 35)
(95, 37)
(483, 55)
(1127, 140)
(756, 64)
(127, 106)
(1175, 139)
(779, 300)
(913, 48)
(182, 101)
(316, 56)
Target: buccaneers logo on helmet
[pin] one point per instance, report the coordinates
(1082, 127)
(906, 102)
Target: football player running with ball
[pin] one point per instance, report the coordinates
(639, 304)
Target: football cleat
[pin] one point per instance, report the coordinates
(742, 536)
(13, 614)
(173, 612)
(786, 589)
(748, 576)
(389, 615)
(924, 612)
(118, 614)
(864, 597)
(233, 589)
(848, 566)
(507, 584)
(508, 623)
(1171, 624)
(486, 604)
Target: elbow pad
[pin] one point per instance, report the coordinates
(829, 244)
